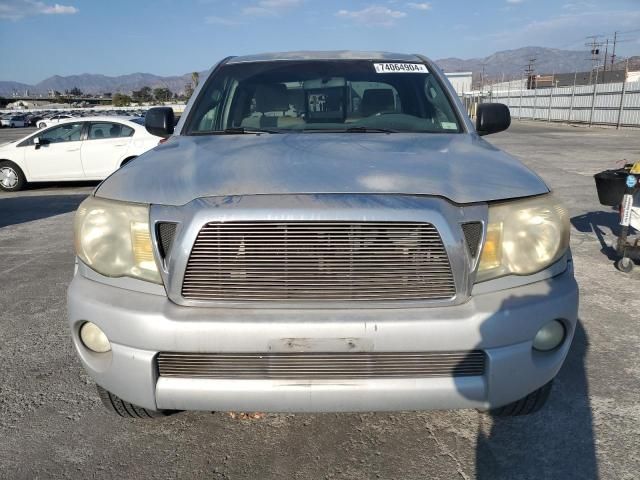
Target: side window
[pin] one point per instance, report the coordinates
(442, 111)
(208, 121)
(68, 132)
(102, 130)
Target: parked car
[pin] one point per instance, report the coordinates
(32, 120)
(13, 121)
(75, 149)
(323, 232)
(53, 120)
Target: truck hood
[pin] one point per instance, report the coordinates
(461, 167)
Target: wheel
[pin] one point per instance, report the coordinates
(42, 125)
(529, 404)
(624, 264)
(11, 177)
(124, 409)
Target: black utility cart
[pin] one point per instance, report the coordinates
(618, 188)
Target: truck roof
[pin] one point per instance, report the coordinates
(326, 55)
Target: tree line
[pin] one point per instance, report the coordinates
(159, 94)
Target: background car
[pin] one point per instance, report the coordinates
(5, 118)
(32, 120)
(75, 149)
(18, 121)
(47, 122)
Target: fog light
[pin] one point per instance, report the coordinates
(549, 336)
(93, 338)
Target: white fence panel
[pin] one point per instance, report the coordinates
(603, 104)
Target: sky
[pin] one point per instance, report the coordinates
(41, 38)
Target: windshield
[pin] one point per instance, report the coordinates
(322, 96)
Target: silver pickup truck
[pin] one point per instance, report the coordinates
(322, 232)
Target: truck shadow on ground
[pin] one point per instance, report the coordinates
(556, 442)
(73, 184)
(16, 210)
(594, 222)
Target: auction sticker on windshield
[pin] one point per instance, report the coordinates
(400, 68)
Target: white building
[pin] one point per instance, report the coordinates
(461, 81)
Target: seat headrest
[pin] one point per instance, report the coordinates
(377, 100)
(271, 98)
(115, 131)
(98, 133)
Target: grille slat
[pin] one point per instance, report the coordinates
(318, 261)
(321, 365)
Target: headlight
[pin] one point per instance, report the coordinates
(113, 238)
(523, 237)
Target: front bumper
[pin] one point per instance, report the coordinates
(502, 323)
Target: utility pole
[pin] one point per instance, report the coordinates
(604, 64)
(613, 52)
(529, 69)
(595, 53)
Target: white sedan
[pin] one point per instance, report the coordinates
(76, 149)
(47, 122)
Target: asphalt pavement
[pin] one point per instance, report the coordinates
(52, 424)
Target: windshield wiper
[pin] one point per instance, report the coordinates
(369, 130)
(236, 131)
(242, 130)
(350, 130)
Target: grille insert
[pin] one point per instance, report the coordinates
(166, 233)
(472, 235)
(321, 365)
(318, 261)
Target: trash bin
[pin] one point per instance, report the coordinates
(611, 185)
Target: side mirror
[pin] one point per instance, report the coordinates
(492, 118)
(36, 142)
(160, 121)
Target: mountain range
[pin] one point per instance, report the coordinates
(511, 63)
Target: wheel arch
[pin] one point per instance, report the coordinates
(20, 171)
(19, 165)
(127, 160)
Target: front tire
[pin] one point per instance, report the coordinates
(527, 405)
(42, 125)
(12, 178)
(116, 405)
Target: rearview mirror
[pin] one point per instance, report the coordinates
(159, 121)
(492, 118)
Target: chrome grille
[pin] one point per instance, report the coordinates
(321, 365)
(318, 261)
